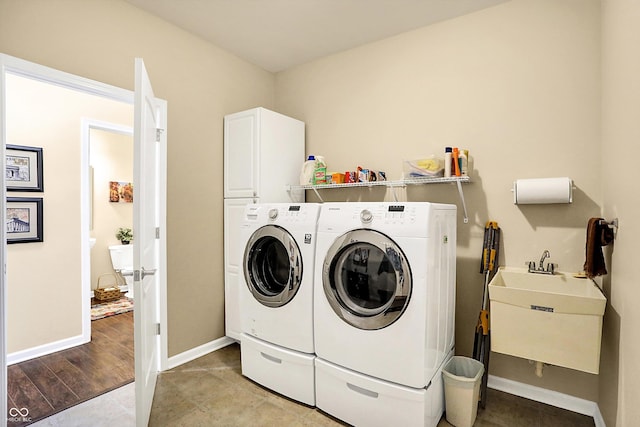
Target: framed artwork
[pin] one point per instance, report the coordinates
(24, 219)
(23, 171)
(120, 192)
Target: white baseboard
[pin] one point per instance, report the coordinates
(194, 353)
(43, 350)
(549, 397)
(597, 418)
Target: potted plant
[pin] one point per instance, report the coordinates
(125, 235)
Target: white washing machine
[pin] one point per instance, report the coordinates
(276, 297)
(384, 305)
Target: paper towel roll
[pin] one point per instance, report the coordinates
(542, 191)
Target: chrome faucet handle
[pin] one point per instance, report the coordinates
(551, 267)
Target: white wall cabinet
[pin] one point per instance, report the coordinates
(263, 153)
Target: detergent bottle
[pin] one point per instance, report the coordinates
(320, 171)
(308, 170)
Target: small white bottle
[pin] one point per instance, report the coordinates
(447, 162)
(462, 157)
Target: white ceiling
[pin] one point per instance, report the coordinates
(279, 34)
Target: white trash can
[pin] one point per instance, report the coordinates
(462, 377)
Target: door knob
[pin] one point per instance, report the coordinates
(138, 275)
(144, 272)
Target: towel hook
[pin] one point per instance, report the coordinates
(613, 224)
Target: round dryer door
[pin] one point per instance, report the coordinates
(366, 279)
(272, 266)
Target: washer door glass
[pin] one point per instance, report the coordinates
(272, 266)
(366, 279)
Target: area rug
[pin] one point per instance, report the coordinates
(106, 309)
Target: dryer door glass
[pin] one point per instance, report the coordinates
(367, 279)
(272, 266)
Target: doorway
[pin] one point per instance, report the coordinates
(73, 228)
(55, 272)
(108, 162)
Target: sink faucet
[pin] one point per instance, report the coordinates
(540, 269)
(545, 255)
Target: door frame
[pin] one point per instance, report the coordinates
(20, 67)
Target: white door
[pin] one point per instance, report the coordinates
(149, 136)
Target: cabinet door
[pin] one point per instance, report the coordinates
(241, 154)
(233, 253)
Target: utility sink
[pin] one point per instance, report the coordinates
(558, 293)
(554, 319)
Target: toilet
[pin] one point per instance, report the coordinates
(122, 262)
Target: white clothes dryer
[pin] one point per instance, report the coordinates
(384, 304)
(276, 297)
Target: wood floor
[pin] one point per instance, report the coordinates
(54, 382)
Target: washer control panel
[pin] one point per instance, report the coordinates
(289, 214)
(366, 216)
(406, 219)
(386, 214)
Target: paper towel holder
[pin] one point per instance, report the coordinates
(543, 191)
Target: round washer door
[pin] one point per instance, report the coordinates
(272, 266)
(366, 279)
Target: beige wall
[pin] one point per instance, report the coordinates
(620, 363)
(517, 84)
(44, 279)
(111, 157)
(99, 39)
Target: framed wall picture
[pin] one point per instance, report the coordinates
(24, 219)
(23, 171)
(120, 192)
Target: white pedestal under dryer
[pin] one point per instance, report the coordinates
(384, 304)
(276, 297)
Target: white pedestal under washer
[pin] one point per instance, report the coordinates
(276, 296)
(384, 304)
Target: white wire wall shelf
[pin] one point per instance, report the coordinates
(401, 183)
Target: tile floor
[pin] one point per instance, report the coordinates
(211, 391)
(115, 408)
